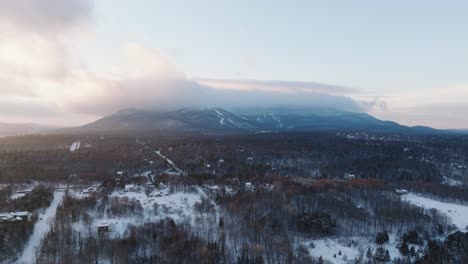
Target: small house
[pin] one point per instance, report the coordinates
(129, 187)
(401, 191)
(103, 228)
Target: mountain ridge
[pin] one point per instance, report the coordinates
(219, 120)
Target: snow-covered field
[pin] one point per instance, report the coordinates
(458, 213)
(351, 248)
(175, 170)
(41, 228)
(157, 205)
(329, 250)
(75, 146)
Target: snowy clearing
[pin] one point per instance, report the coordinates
(157, 205)
(75, 146)
(41, 228)
(17, 195)
(327, 248)
(458, 213)
(175, 170)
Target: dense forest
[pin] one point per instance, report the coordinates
(256, 198)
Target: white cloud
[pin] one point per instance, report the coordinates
(442, 108)
(40, 83)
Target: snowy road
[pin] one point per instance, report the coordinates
(177, 171)
(41, 228)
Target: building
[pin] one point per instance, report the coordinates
(15, 216)
(401, 191)
(129, 187)
(349, 176)
(104, 227)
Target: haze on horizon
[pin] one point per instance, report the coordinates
(71, 62)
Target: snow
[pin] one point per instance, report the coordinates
(175, 170)
(223, 117)
(352, 248)
(75, 146)
(157, 205)
(220, 115)
(277, 120)
(176, 205)
(41, 228)
(452, 182)
(327, 248)
(458, 213)
(17, 195)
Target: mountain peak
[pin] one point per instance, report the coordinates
(220, 120)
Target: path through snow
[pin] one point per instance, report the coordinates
(177, 171)
(41, 228)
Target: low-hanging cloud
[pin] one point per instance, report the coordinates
(39, 83)
(44, 16)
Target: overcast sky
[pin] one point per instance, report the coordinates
(70, 62)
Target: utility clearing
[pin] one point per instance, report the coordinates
(41, 228)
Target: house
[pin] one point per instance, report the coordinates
(88, 191)
(129, 187)
(249, 186)
(401, 191)
(104, 227)
(15, 216)
(349, 176)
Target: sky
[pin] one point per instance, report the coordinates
(71, 62)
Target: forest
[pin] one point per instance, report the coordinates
(253, 198)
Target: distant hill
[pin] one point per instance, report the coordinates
(218, 120)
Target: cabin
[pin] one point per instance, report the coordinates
(15, 216)
(249, 186)
(104, 228)
(129, 187)
(349, 176)
(401, 191)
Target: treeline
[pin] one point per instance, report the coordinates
(261, 226)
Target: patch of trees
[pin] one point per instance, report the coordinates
(453, 250)
(318, 222)
(39, 197)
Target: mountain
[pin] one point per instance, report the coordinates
(218, 120)
(7, 129)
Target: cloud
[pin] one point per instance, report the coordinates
(441, 108)
(286, 87)
(261, 94)
(34, 56)
(147, 79)
(39, 81)
(45, 16)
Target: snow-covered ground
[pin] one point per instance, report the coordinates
(41, 228)
(75, 146)
(328, 248)
(452, 182)
(351, 248)
(458, 213)
(159, 204)
(17, 195)
(175, 170)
